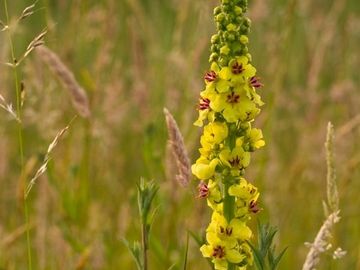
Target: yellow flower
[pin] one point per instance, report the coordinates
(204, 168)
(233, 231)
(221, 252)
(234, 105)
(239, 70)
(203, 115)
(250, 86)
(214, 80)
(244, 190)
(256, 138)
(212, 192)
(245, 249)
(246, 198)
(214, 133)
(237, 159)
(205, 112)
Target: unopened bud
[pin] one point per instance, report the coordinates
(217, 10)
(231, 27)
(214, 38)
(224, 50)
(238, 10)
(244, 39)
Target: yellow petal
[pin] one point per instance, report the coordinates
(206, 250)
(234, 256)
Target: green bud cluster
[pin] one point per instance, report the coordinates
(233, 27)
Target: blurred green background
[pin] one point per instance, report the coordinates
(135, 57)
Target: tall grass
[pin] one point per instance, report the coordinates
(135, 57)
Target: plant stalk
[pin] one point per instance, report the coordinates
(229, 203)
(20, 136)
(144, 243)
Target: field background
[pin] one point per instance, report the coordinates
(135, 57)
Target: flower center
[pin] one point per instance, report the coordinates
(203, 190)
(218, 252)
(233, 98)
(237, 68)
(227, 231)
(204, 104)
(235, 162)
(255, 82)
(210, 76)
(253, 207)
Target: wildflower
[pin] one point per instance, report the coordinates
(221, 252)
(238, 70)
(237, 159)
(214, 133)
(205, 112)
(227, 107)
(255, 138)
(233, 231)
(234, 106)
(204, 168)
(215, 80)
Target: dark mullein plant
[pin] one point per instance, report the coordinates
(227, 108)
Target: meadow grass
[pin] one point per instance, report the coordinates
(135, 57)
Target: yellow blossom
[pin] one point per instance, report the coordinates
(221, 252)
(239, 70)
(214, 133)
(237, 159)
(204, 168)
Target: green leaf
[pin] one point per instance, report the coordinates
(135, 251)
(186, 252)
(258, 259)
(278, 258)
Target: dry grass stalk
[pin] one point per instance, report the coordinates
(36, 42)
(3, 26)
(46, 160)
(176, 142)
(322, 239)
(16, 234)
(9, 108)
(348, 126)
(331, 188)
(28, 11)
(321, 242)
(66, 77)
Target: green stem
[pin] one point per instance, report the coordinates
(144, 238)
(20, 137)
(229, 202)
(229, 205)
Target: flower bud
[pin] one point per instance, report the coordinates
(223, 61)
(217, 10)
(213, 57)
(214, 39)
(231, 27)
(238, 10)
(247, 22)
(248, 55)
(224, 50)
(231, 37)
(213, 48)
(244, 39)
(219, 18)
